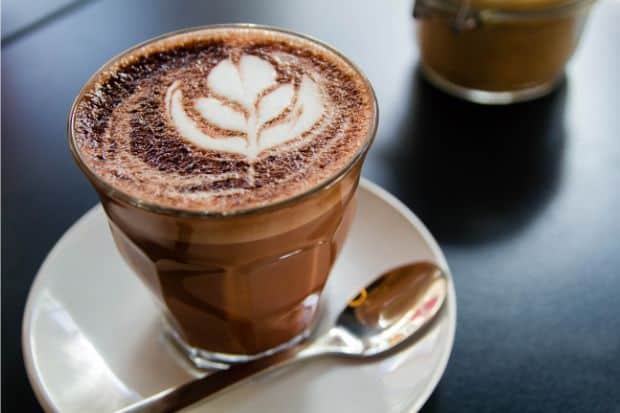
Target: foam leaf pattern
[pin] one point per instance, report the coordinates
(217, 113)
(246, 101)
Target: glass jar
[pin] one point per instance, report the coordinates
(498, 51)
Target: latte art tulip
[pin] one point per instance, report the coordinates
(253, 109)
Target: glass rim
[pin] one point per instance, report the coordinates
(154, 207)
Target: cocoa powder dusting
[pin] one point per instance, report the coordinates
(125, 135)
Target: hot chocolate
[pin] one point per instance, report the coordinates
(222, 120)
(226, 159)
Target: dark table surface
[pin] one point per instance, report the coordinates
(524, 200)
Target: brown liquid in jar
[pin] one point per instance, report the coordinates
(500, 55)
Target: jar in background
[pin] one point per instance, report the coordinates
(498, 51)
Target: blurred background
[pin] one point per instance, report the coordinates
(524, 199)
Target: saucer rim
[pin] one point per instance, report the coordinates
(42, 394)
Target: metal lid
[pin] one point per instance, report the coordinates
(469, 14)
(517, 5)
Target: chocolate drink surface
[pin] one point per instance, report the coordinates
(226, 159)
(223, 120)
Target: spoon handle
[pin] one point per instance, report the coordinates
(174, 399)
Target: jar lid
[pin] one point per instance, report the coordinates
(515, 5)
(469, 14)
(524, 6)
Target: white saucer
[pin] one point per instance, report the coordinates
(92, 343)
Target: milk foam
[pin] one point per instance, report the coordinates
(245, 99)
(223, 119)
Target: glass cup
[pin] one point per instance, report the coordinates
(234, 286)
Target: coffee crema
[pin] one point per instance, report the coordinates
(223, 120)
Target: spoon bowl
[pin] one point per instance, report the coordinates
(385, 313)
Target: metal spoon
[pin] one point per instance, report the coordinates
(382, 316)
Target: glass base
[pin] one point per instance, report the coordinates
(209, 360)
(486, 97)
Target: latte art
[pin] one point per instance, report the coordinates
(222, 120)
(246, 101)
